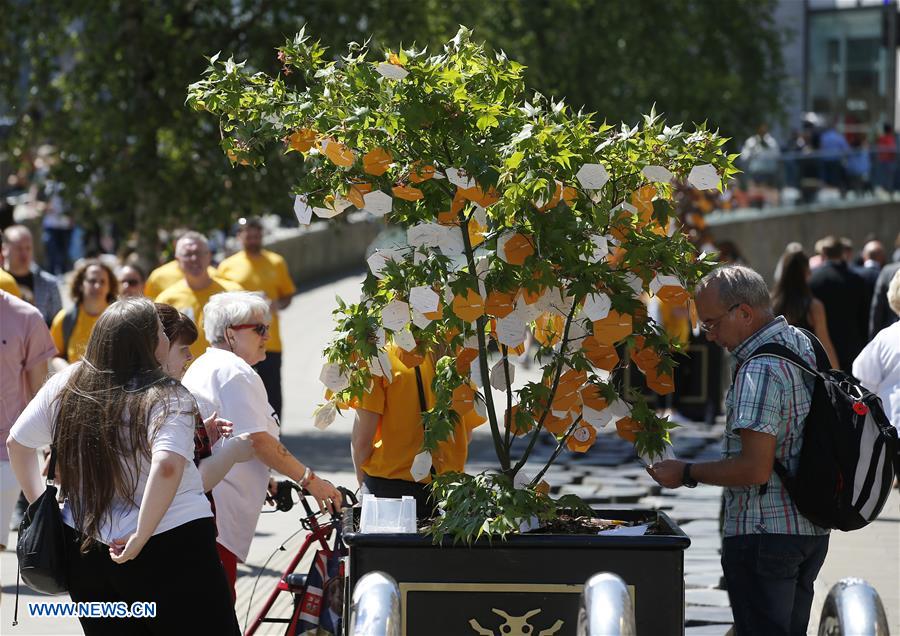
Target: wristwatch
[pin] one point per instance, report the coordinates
(686, 479)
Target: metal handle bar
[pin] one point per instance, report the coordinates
(605, 608)
(375, 609)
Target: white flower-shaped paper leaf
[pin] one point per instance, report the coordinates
(657, 173)
(395, 315)
(601, 248)
(421, 466)
(592, 176)
(651, 458)
(391, 71)
(423, 299)
(459, 178)
(634, 281)
(405, 340)
(419, 319)
(704, 177)
(424, 234)
(475, 373)
(448, 295)
(625, 205)
(597, 419)
(302, 210)
(526, 312)
(471, 342)
(479, 215)
(450, 241)
(480, 407)
(664, 280)
(379, 259)
(619, 408)
(501, 244)
(380, 338)
(498, 375)
(380, 365)
(332, 377)
(511, 330)
(324, 416)
(597, 306)
(577, 331)
(336, 207)
(377, 203)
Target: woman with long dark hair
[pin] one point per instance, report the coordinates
(793, 299)
(138, 526)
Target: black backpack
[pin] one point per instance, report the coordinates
(850, 451)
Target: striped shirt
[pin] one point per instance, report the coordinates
(773, 397)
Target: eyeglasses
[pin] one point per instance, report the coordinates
(260, 328)
(706, 327)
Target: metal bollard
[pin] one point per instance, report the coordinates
(853, 608)
(605, 608)
(375, 610)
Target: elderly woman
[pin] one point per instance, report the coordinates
(224, 382)
(181, 333)
(878, 365)
(137, 523)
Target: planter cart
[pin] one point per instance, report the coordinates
(527, 580)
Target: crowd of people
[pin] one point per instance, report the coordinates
(817, 158)
(162, 418)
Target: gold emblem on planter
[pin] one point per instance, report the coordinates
(515, 625)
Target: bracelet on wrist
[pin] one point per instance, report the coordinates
(308, 475)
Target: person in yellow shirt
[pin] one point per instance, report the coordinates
(164, 276)
(388, 434)
(93, 289)
(8, 284)
(191, 294)
(257, 269)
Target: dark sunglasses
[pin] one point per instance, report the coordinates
(260, 328)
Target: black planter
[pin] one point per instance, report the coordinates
(445, 589)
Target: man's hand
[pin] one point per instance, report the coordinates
(667, 473)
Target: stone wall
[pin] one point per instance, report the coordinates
(762, 235)
(327, 248)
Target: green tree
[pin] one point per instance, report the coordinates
(103, 82)
(518, 211)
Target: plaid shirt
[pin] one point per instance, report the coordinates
(773, 397)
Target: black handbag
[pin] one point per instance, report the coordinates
(41, 547)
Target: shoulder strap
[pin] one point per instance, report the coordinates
(822, 361)
(423, 405)
(68, 326)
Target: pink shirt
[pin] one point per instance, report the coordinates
(24, 342)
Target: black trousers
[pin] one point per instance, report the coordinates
(270, 372)
(396, 488)
(179, 569)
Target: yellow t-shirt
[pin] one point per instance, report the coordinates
(164, 276)
(399, 436)
(9, 284)
(266, 273)
(80, 334)
(190, 302)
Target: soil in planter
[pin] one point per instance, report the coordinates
(569, 524)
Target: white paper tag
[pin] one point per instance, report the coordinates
(395, 315)
(332, 377)
(377, 203)
(597, 306)
(325, 415)
(475, 373)
(424, 234)
(419, 319)
(459, 178)
(592, 176)
(704, 177)
(450, 241)
(421, 466)
(498, 375)
(423, 299)
(391, 71)
(302, 210)
(405, 340)
(601, 248)
(657, 173)
(511, 330)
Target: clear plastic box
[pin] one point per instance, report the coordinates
(384, 515)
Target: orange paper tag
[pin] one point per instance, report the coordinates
(419, 172)
(302, 140)
(468, 307)
(408, 193)
(602, 356)
(463, 399)
(377, 161)
(613, 328)
(557, 425)
(338, 153)
(593, 398)
(500, 304)
(582, 438)
(628, 429)
(548, 329)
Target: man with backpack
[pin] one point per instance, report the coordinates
(771, 554)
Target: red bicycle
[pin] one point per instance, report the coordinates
(321, 532)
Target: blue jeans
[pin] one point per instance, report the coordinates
(770, 581)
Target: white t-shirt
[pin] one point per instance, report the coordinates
(878, 369)
(175, 434)
(224, 383)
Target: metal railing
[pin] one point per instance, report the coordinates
(375, 609)
(853, 608)
(605, 608)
